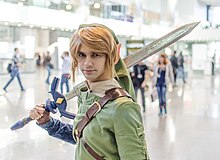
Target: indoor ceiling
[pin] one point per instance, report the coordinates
(211, 2)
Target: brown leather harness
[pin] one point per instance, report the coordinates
(95, 108)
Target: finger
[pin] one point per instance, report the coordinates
(36, 114)
(31, 114)
(40, 105)
(40, 110)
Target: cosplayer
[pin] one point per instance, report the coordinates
(108, 124)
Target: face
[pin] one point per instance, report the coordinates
(92, 65)
(161, 59)
(17, 51)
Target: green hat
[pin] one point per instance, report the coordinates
(124, 78)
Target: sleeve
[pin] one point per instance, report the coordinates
(155, 75)
(146, 68)
(171, 76)
(129, 132)
(59, 130)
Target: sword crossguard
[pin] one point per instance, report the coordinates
(59, 102)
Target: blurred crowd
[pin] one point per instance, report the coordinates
(154, 79)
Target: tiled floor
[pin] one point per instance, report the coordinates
(190, 131)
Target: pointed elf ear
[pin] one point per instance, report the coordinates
(118, 53)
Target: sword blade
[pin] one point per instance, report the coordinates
(159, 44)
(144, 52)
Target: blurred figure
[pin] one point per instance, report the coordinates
(213, 64)
(66, 68)
(139, 79)
(16, 63)
(48, 65)
(38, 59)
(162, 77)
(174, 62)
(181, 66)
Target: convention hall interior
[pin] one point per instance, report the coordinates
(188, 129)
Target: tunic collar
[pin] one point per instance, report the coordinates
(99, 88)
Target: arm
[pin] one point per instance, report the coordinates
(154, 80)
(54, 127)
(146, 76)
(59, 130)
(170, 71)
(129, 132)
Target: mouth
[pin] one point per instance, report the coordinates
(88, 71)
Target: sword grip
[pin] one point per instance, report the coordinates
(21, 123)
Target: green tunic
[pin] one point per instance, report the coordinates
(116, 132)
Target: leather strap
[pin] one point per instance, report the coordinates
(110, 95)
(91, 151)
(96, 107)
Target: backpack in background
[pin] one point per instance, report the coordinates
(9, 68)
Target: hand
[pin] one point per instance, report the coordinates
(40, 114)
(132, 74)
(143, 84)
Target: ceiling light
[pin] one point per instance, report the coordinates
(6, 23)
(97, 5)
(68, 7)
(19, 24)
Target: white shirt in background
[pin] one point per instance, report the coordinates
(66, 66)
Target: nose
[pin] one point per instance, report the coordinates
(88, 61)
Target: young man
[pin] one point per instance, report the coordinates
(16, 63)
(116, 129)
(140, 80)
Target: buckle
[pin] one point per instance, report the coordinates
(99, 108)
(76, 132)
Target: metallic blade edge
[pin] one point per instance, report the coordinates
(159, 44)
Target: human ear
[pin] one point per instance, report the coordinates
(117, 53)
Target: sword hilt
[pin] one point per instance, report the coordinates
(50, 106)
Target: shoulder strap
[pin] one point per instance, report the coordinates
(96, 107)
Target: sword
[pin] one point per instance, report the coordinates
(144, 52)
(130, 61)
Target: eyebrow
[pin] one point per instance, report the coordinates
(89, 52)
(80, 52)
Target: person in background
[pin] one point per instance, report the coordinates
(139, 79)
(174, 62)
(213, 64)
(115, 130)
(38, 59)
(48, 66)
(181, 66)
(16, 64)
(66, 68)
(162, 77)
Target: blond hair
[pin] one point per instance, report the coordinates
(97, 39)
